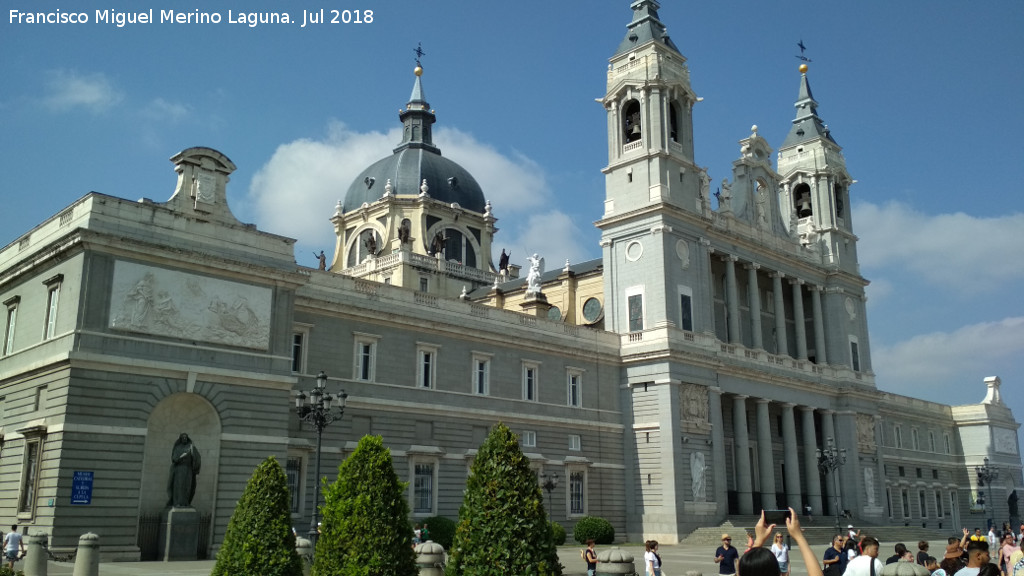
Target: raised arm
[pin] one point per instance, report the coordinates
(797, 534)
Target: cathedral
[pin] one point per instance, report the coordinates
(698, 370)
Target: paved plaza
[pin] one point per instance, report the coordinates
(677, 561)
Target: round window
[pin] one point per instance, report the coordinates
(592, 310)
(554, 313)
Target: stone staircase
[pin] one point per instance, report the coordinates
(818, 533)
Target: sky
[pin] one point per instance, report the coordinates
(924, 97)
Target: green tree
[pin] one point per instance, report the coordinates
(365, 529)
(259, 539)
(503, 528)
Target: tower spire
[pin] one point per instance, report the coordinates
(645, 27)
(417, 117)
(807, 125)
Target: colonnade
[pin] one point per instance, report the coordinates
(797, 492)
(732, 303)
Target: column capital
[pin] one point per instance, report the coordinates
(828, 411)
(787, 405)
(762, 400)
(660, 228)
(779, 275)
(606, 242)
(752, 266)
(736, 397)
(816, 287)
(807, 408)
(730, 258)
(796, 281)
(718, 390)
(704, 241)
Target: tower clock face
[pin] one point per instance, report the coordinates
(592, 310)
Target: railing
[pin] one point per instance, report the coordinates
(635, 145)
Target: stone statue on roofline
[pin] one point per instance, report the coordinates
(533, 278)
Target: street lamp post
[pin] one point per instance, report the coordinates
(320, 412)
(829, 461)
(549, 483)
(986, 476)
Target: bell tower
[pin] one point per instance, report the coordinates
(649, 105)
(815, 185)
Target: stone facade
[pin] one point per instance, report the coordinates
(690, 374)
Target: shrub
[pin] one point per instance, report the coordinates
(503, 529)
(5, 571)
(594, 527)
(557, 533)
(259, 539)
(442, 530)
(365, 528)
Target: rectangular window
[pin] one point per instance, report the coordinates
(914, 439)
(931, 441)
(855, 355)
(29, 476)
(40, 399)
(52, 297)
(919, 473)
(423, 489)
(898, 436)
(574, 442)
(935, 474)
(293, 472)
(12, 321)
(426, 365)
(529, 439)
(686, 308)
(364, 356)
(574, 384)
(888, 500)
(922, 503)
(298, 340)
(577, 493)
(905, 496)
(424, 283)
(939, 512)
(946, 438)
(635, 304)
(481, 374)
(903, 471)
(530, 373)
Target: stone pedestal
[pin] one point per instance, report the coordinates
(179, 534)
(35, 555)
(536, 304)
(87, 560)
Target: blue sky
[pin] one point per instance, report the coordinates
(923, 96)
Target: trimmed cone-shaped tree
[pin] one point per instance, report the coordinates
(259, 539)
(365, 527)
(503, 528)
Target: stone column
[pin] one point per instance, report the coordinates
(704, 305)
(754, 295)
(780, 315)
(881, 483)
(791, 458)
(828, 430)
(732, 299)
(741, 443)
(798, 319)
(765, 459)
(819, 326)
(850, 475)
(720, 484)
(813, 477)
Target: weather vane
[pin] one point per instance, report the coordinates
(419, 53)
(801, 57)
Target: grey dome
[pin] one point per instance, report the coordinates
(407, 168)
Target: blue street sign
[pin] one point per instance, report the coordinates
(81, 487)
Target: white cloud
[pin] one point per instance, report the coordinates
(68, 90)
(160, 109)
(552, 235)
(966, 253)
(296, 191)
(949, 359)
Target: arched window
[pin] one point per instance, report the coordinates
(802, 200)
(631, 129)
(362, 245)
(673, 121)
(840, 205)
(458, 248)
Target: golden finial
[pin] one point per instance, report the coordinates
(803, 69)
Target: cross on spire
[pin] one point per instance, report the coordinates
(419, 52)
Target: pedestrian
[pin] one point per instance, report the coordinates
(862, 565)
(652, 561)
(833, 557)
(1005, 551)
(761, 562)
(727, 556)
(13, 546)
(424, 533)
(781, 551)
(978, 556)
(417, 534)
(922, 551)
(591, 558)
(933, 566)
(901, 551)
